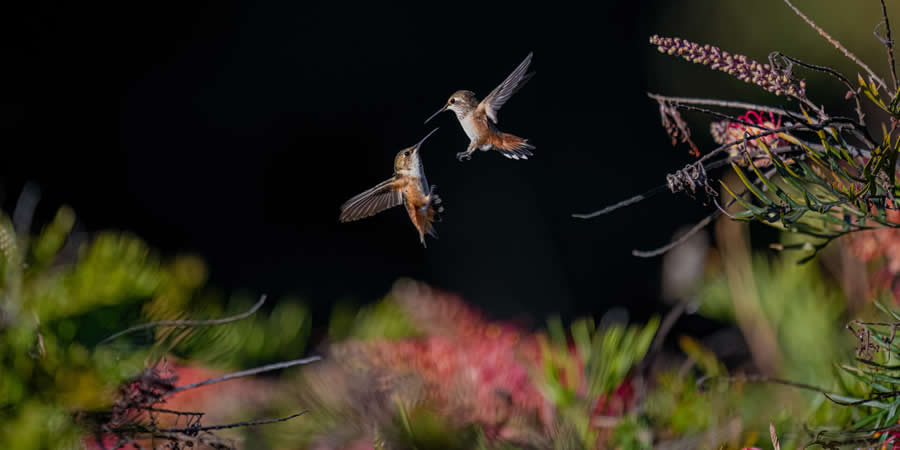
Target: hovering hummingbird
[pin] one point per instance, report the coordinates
(479, 119)
(408, 186)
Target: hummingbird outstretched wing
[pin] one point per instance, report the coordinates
(492, 103)
(383, 196)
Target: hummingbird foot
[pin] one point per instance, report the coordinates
(463, 156)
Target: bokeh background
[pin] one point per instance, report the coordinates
(235, 130)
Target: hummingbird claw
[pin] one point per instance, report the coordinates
(463, 156)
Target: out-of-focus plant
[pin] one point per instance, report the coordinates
(443, 376)
(583, 374)
(61, 294)
(58, 298)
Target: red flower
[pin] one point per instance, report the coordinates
(727, 132)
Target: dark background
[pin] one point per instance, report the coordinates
(236, 130)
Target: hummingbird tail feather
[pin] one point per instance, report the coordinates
(433, 213)
(511, 146)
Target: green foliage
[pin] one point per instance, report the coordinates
(423, 429)
(54, 309)
(803, 309)
(59, 298)
(384, 319)
(798, 303)
(262, 338)
(574, 381)
(826, 194)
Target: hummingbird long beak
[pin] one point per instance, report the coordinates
(435, 114)
(416, 147)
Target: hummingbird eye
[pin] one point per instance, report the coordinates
(452, 101)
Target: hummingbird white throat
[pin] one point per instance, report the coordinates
(479, 119)
(408, 186)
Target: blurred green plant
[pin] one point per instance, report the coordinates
(61, 295)
(384, 319)
(54, 307)
(579, 378)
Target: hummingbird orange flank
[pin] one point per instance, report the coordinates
(479, 119)
(408, 186)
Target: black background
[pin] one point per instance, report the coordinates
(236, 130)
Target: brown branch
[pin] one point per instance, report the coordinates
(840, 77)
(829, 395)
(704, 222)
(889, 43)
(661, 188)
(682, 239)
(244, 373)
(188, 323)
(249, 423)
(719, 103)
(622, 204)
(168, 411)
(837, 44)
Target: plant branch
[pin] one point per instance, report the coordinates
(661, 188)
(244, 373)
(188, 323)
(889, 43)
(837, 75)
(248, 423)
(676, 242)
(719, 103)
(837, 44)
(808, 387)
(701, 224)
(622, 204)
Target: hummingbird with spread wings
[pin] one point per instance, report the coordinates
(479, 119)
(408, 187)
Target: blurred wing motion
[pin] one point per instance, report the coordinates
(381, 197)
(492, 103)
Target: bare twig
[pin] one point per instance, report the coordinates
(837, 75)
(889, 43)
(622, 204)
(244, 373)
(837, 44)
(169, 411)
(662, 188)
(799, 126)
(723, 116)
(699, 225)
(249, 423)
(719, 103)
(879, 324)
(188, 323)
(808, 387)
(675, 243)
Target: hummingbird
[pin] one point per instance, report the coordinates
(408, 186)
(479, 119)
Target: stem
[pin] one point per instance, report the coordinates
(244, 373)
(837, 75)
(837, 44)
(622, 204)
(720, 103)
(889, 43)
(675, 243)
(187, 323)
(231, 425)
